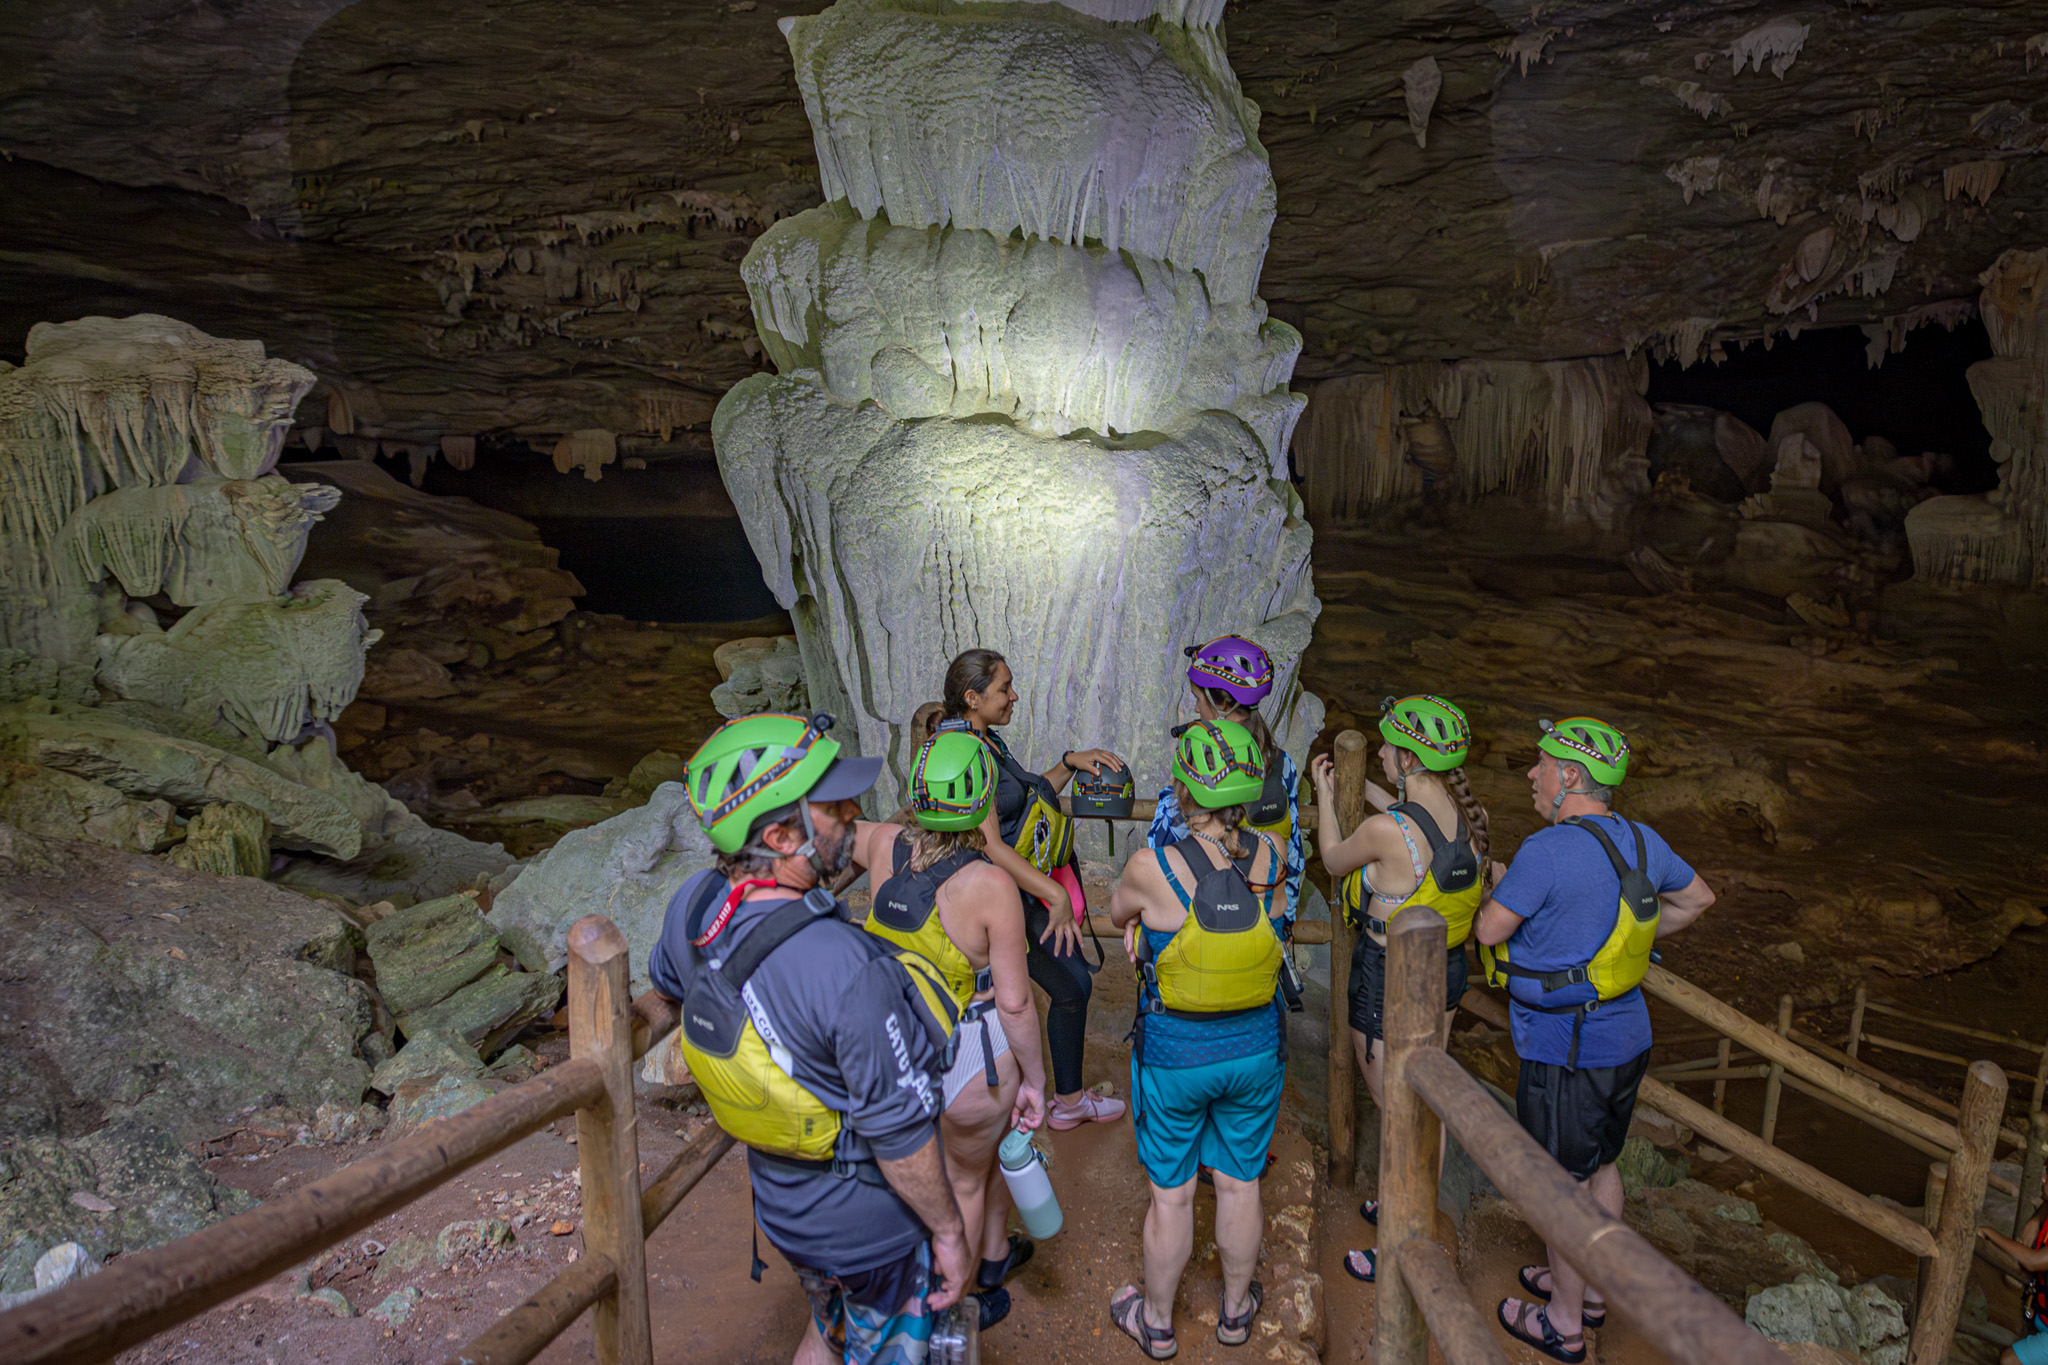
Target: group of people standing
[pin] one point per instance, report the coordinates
(872, 1065)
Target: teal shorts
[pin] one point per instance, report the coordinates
(2032, 1350)
(1220, 1115)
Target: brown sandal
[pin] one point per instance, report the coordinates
(1547, 1339)
(1127, 1311)
(1236, 1331)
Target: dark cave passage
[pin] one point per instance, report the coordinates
(1918, 399)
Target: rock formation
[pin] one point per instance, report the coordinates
(1028, 398)
(2002, 536)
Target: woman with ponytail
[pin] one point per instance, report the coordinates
(1229, 677)
(1428, 847)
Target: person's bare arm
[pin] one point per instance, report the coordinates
(2031, 1258)
(1016, 1007)
(1090, 761)
(1681, 907)
(1341, 855)
(920, 1181)
(871, 840)
(1028, 878)
(1496, 924)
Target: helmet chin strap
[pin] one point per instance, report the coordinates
(1562, 792)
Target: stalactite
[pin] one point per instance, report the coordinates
(1553, 427)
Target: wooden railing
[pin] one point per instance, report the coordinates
(135, 1297)
(1420, 1296)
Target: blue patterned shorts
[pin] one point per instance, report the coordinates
(877, 1316)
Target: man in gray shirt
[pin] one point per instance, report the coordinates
(820, 1052)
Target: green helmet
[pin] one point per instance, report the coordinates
(1431, 728)
(759, 766)
(1219, 763)
(953, 783)
(1594, 745)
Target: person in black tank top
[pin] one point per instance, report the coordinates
(980, 695)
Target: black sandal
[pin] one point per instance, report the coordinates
(1015, 1259)
(1550, 1342)
(1370, 1211)
(1127, 1311)
(995, 1306)
(1236, 1331)
(1590, 1313)
(1372, 1266)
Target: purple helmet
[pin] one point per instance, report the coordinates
(1233, 664)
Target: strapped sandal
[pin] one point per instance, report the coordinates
(1127, 1311)
(1236, 1331)
(1549, 1341)
(1370, 1211)
(1371, 1261)
(995, 1306)
(1590, 1314)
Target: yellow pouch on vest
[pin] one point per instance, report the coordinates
(1045, 836)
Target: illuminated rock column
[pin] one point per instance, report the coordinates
(1027, 397)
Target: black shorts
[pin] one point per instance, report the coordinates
(1369, 984)
(1580, 1116)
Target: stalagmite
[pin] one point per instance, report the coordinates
(1027, 396)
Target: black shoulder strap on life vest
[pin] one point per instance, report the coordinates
(1426, 822)
(778, 927)
(1272, 802)
(1638, 892)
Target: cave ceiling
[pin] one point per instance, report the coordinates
(527, 216)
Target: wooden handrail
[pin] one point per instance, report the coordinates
(1463, 1335)
(601, 1020)
(526, 1331)
(137, 1296)
(1955, 1231)
(1885, 1221)
(1673, 1311)
(1796, 1060)
(1926, 1099)
(681, 1175)
(1962, 1030)
(1348, 754)
(1935, 1055)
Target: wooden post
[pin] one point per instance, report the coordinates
(608, 1137)
(1349, 755)
(1856, 1020)
(2040, 1081)
(1948, 1275)
(1774, 1082)
(2030, 1171)
(1408, 1128)
(1721, 1084)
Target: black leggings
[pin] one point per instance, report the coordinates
(1066, 978)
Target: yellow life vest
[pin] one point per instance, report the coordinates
(743, 1069)
(1450, 885)
(1621, 962)
(906, 914)
(1225, 957)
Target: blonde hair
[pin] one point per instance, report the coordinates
(932, 846)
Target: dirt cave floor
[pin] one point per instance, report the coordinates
(1861, 789)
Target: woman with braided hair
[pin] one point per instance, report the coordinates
(1427, 847)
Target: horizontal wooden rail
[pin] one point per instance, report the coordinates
(1926, 1099)
(137, 1296)
(1849, 1107)
(1797, 1061)
(1787, 1169)
(654, 1018)
(1725, 1073)
(1961, 1030)
(1673, 1311)
(1935, 1055)
(681, 1175)
(1462, 1334)
(527, 1330)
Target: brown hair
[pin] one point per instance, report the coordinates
(1231, 816)
(1477, 824)
(929, 846)
(921, 723)
(1225, 704)
(973, 670)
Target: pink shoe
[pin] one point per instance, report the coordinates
(1093, 1108)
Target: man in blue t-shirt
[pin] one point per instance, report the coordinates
(1582, 1057)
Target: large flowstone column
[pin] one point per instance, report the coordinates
(1027, 397)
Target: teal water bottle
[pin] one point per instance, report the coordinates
(1030, 1186)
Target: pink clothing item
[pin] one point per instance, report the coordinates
(1065, 877)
